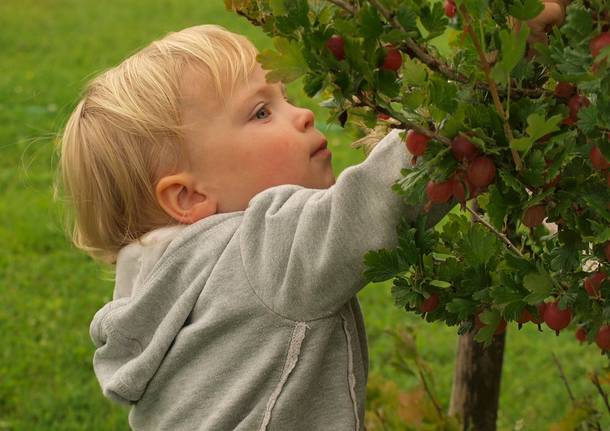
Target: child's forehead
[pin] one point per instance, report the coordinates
(199, 93)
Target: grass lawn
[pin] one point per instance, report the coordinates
(49, 292)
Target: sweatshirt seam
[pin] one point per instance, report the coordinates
(290, 361)
(351, 378)
(268, 307)
(250, 285)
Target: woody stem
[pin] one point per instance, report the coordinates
(493, 89)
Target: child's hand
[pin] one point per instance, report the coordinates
(553, 14)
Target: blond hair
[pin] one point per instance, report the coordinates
(126, 133)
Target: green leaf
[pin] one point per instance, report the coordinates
(433, 19)
(533, 174)
(402, 292)
(511, 182)
(479, 246)
(414, 72)
(370, 20)
(477, 8)
(513, 47)
(539, 284)
(464, 308)
(578, 25)
(587, 119)
(440, 283)
(382, 265)
(497, 207)
(442, 94)
(538, 126)
(565, 258)
(407, 17)
(286, 64)
(277, 7)
(522, 145)
(526, 9)
(312, 84)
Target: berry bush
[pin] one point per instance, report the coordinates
(518, 136)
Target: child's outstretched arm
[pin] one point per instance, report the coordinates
(303, 249)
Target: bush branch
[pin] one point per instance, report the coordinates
(563, 376)
(425, 57)
(499, 234)
(493, 89)
(437, 407)
(362, 101)
(344, 5)
(595, 381)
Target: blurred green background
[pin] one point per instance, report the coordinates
(49, 291)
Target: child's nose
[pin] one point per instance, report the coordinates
(304, 119)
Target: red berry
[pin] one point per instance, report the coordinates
(577, 102)
(556, 318)
(581, 334)
(457, 189)
(524, 317)
(565, 90)
(598, 43)
(568, 121)
(429, 304)
(602, 339)
(607, 246)
(383, 116)
(481, 172)
(462, 148)
(336, 45)
(450, 8)
(416, 143)
(393, 59)
(597, 159)
(534, 216)
(439, 192)
(540, 318)
(593, 282)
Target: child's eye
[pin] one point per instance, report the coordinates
(260, 113)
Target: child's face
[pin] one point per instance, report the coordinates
(259, 141)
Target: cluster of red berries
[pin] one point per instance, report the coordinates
(475, 174)
(392, 59)
(555, 318)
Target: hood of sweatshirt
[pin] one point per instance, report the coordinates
(152, 300)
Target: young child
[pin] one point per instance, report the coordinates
(238, 257)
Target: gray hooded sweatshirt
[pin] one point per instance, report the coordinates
(249, 320)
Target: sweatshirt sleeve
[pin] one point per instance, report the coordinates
(303, 249)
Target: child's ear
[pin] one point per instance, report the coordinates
(183, 200)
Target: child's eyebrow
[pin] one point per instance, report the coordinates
(263, 90)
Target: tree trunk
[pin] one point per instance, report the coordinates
(476, 382)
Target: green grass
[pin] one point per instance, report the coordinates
(49, 292)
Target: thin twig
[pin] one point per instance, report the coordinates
(419, 52)
(363, 102)
(429, 60)
(439, 411)
(493, 89)
(344, 5)
(563, 376)
(595, 381)
(503, 237)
